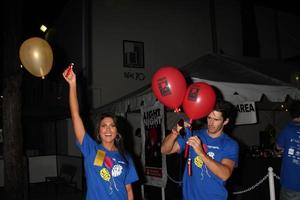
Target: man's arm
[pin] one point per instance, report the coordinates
(169, 144)
(221, 169)
(78, 126)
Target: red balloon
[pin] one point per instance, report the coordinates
(169, 86)
(199, 100)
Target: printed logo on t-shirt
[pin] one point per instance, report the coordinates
(116, 170)
(211, 154)
(198, 161)
(295, 161)
(104, 173)
(291, 151)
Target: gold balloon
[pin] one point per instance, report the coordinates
(36, 56)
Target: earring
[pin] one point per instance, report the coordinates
(118, 137)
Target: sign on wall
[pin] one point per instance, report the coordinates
(133, 54)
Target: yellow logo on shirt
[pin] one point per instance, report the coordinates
(198, 161)
(99, 158)
(104, 173)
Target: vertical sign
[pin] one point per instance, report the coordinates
(153, 132)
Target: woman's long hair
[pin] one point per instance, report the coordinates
(118, 141)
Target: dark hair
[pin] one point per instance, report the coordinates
(294, 109)
(227, 109)
(119, 138)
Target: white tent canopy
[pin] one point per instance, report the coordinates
(230, 76)
(253, 92)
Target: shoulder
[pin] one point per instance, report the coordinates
(289, 128)
(230, 142)
(127, 155)
(128, 159)
(88, 140)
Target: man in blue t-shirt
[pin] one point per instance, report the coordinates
(289, 142)
(212, 155)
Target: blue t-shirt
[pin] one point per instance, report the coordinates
(109, 180)
(289, 140)
(203, 184)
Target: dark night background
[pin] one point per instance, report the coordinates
(35, 13)
(54, 105)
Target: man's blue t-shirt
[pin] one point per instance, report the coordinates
(203, 184)
(109, 179)
(289, 139)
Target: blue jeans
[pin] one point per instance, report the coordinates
(287, 194)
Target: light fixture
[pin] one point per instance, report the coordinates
(43, 28)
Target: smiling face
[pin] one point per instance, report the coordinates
(215, 123)
(107, 130)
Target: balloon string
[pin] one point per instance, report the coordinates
(186, 151)
(189, 167)
(189, 155)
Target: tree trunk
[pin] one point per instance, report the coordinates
(15, 170)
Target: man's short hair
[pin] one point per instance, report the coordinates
(227, 109)
(294, 109)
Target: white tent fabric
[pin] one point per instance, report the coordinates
(249, 92)
(231, 76)
(253, 92)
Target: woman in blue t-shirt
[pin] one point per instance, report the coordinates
(109, 169)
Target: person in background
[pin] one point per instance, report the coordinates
(288, 141)
(109, 169)
(213, 155)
